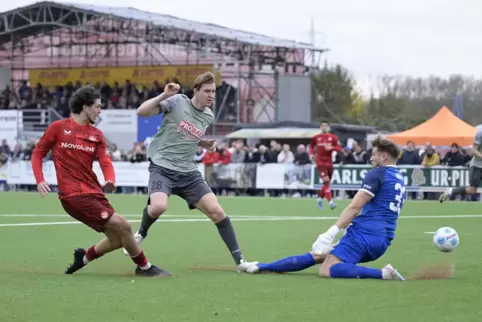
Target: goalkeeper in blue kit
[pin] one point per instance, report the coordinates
(369, 222)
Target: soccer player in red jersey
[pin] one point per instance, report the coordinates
(75, 144)
(321, 149)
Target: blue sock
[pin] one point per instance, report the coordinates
(345, 270)
(289, 264)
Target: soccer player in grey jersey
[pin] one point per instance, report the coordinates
(171, 154)
(475, 170)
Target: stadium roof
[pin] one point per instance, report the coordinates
(16, 20)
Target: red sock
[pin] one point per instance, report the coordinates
(92, 254)
(321, 193)
(327, 190)
(140, 259)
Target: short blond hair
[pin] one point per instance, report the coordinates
(204, 78)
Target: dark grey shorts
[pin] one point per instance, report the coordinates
(188, 185)
(475, 176)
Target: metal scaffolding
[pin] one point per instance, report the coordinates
(56, 35)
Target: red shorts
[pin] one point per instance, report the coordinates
(92, 209)
(325, 171)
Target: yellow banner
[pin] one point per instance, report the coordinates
(141, 75)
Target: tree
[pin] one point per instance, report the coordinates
(401, 101)
(410, 100)
(334, 96)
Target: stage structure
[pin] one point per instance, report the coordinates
(52, 43)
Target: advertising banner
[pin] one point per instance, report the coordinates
(259, 176)
(11, 122)
(416, 178)
(138, 75)
(127, 174)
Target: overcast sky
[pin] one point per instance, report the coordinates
(370, 37)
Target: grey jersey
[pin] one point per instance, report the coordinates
(174, 146)
(477, 162)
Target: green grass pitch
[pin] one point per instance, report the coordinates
(207, 288)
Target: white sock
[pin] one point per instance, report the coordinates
(86, 261)
(145, 268)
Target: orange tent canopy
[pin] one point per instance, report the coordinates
(443, 129)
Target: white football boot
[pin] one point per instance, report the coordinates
(445, 195)
(390, 273)
(138, 239)
(248, 267)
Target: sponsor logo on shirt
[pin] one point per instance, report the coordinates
(191, 130)
(77, 147)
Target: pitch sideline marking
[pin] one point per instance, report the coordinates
(234, 216)
(67, 216)
(237, 197)
(245, 218)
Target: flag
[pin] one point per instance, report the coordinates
(458, 108)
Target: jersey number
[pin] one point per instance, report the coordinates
(397, 205)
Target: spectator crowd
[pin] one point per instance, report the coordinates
(130, 96)
(275, 152)
(126, 96)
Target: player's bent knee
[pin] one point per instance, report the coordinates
(158, 204)
(217, 214)
(210, 206)
(326, 179)
(157, 210)
(119, 224)
(113, 237)
(325, 268)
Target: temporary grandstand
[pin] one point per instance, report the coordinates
(52, 43)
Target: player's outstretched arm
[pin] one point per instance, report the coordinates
(325, 241)
(152, 106)
(44, 145)
(353, 209)
(160, 103)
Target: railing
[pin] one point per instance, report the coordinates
(272, 176)
(37, 120)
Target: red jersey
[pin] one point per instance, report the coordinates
(74, 148)
(318, 144)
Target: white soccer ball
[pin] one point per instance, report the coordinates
(446, 239)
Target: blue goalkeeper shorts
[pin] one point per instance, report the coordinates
(358, 247)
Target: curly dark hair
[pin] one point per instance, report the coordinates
(84, 96)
